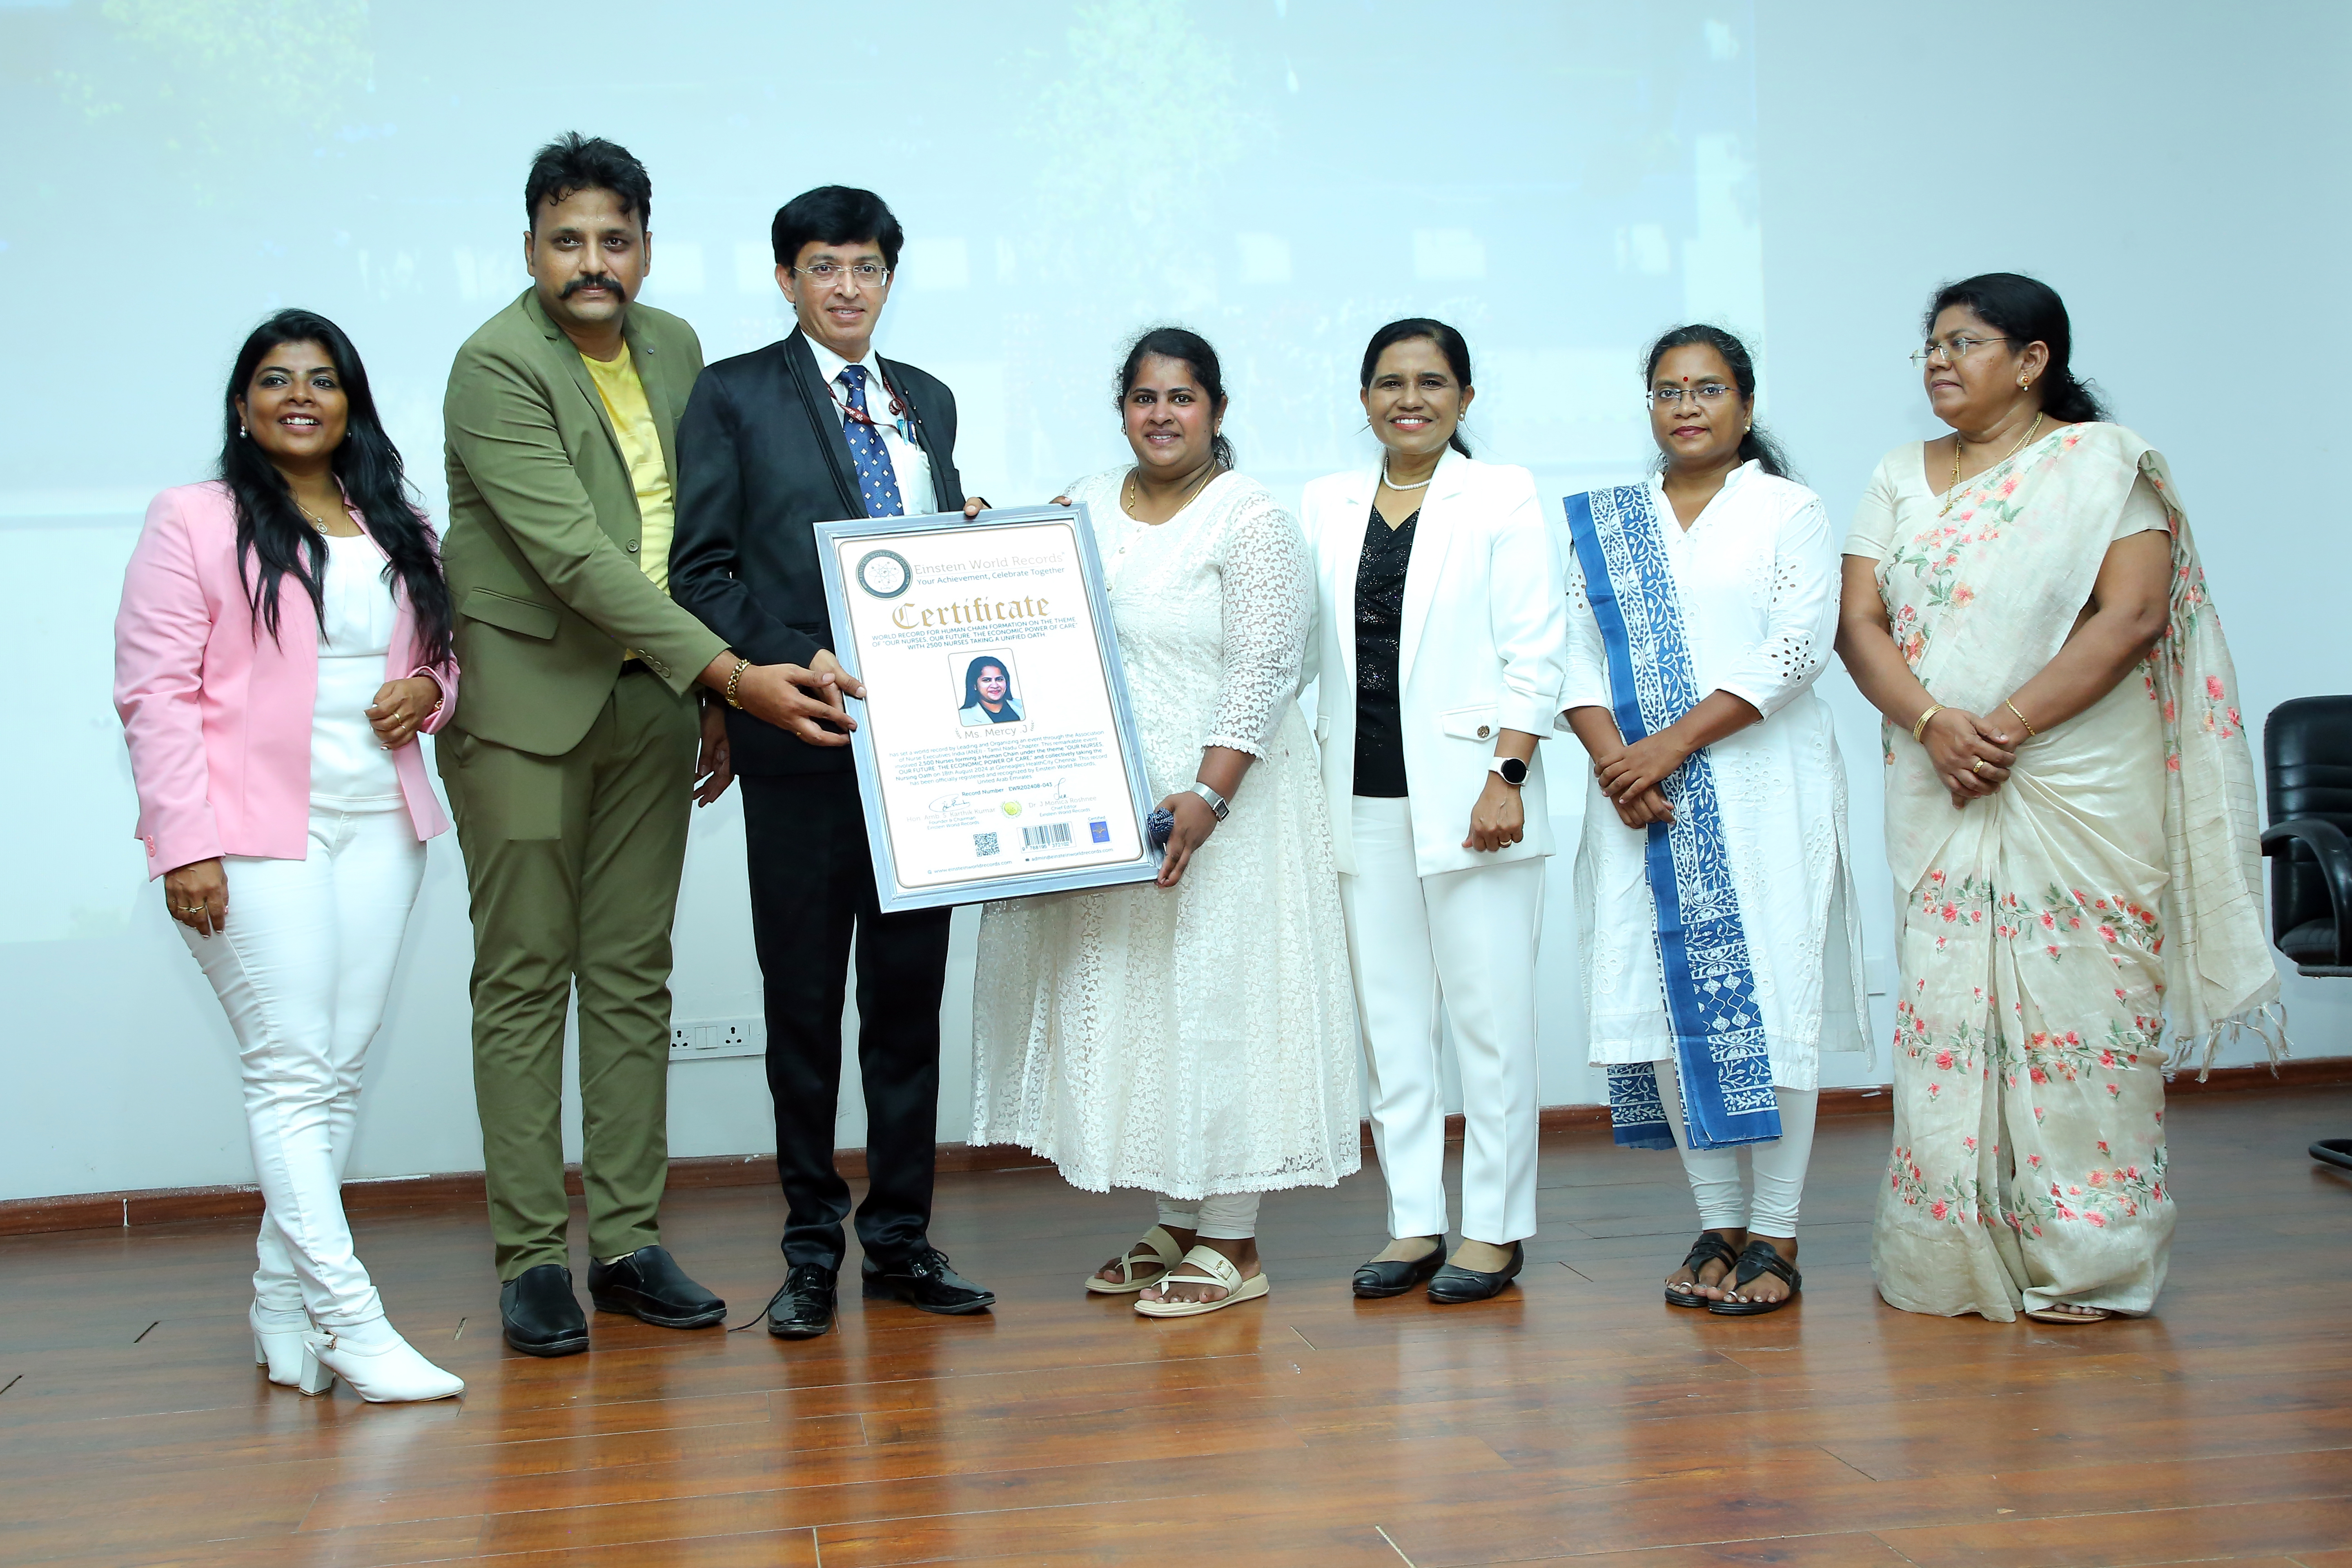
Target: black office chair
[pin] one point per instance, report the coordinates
(2307, 760)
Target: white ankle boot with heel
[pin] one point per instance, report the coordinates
(379, 1365)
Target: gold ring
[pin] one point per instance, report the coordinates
(1976, 766)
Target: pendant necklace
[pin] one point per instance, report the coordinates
(1952, 496)
(1136, 485)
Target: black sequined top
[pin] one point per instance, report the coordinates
(1380, 621)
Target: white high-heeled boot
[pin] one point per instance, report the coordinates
(380, 1366)
(278, 1337)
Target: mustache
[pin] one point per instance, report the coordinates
(592, 281)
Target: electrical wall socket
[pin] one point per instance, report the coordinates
(707, 1039)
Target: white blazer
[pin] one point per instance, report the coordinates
(1484, 648)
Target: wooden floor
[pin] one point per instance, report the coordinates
(1577, 1418)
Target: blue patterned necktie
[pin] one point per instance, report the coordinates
(877, 480)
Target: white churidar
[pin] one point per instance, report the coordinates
(1758, 578)
(1196, 1040)
(1468, 937)
(1778, 1165)
(303, 967)
(1229, 1216)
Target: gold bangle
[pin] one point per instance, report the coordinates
(2021, 718)
(1920, 727)
(734, 680)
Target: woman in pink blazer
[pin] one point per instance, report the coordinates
(283, 639)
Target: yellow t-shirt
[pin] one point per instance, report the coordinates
(624, 399)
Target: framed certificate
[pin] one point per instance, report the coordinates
(995, 747)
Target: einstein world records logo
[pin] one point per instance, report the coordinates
(885, 573)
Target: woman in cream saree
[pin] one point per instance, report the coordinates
(2069, 821)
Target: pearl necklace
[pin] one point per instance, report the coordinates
(1401, 488)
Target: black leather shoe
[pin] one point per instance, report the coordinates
(923, 1281)
(649, 1286)
(540, 1315)
(1378, 1279)
(1453, 1286)
(801, 1309)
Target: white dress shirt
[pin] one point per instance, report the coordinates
(907, 459)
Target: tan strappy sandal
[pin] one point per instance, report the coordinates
(1156, 1245)
(1215, 1268)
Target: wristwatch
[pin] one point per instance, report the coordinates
(1510, 770)
(1217, 803)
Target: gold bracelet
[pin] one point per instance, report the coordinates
(1919, 728)
(734, 680)
(2021, 718)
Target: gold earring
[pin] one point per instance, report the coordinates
(2024, 383)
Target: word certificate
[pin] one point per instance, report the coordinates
(995, 748)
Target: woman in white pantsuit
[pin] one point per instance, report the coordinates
(1439, 649)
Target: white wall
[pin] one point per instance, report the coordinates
(2146, 161)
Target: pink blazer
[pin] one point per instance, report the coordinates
(216, 713)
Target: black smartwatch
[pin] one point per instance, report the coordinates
(1512, 771)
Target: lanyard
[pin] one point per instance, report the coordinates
(901, 418)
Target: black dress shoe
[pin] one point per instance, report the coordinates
(649, 1286)
(540, 1315)
(923, 1279)
(802, 1308)
(1452, 1285)
(1380, 1279)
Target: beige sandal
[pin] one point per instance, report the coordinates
(2079, 1315)
(1215, 1268)
(1156, 1245)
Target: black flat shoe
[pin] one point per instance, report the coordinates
(802, 1307)
(1453, 1286)
(1757, 1260)
(923, 1281)
(1709, 1248)
(649, 1286)
(540, 1314)
(1380, 1279)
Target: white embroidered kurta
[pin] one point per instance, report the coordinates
(1758, 579)
(1201, 1039)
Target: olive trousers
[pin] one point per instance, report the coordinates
(572, 866)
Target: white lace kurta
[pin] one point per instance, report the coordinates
(1758, 579)
(1196, 1040)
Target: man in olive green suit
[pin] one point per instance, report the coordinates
(576, 745)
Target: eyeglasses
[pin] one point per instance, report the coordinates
(1672, 396)
(1954, 348)
(865, 274)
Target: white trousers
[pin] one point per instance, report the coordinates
(1226, 1216)
(302, 966)
(1466, 939)
(1779, 1167)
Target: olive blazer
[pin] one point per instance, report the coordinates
(541, 551)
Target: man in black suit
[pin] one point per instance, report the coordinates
(811, 428)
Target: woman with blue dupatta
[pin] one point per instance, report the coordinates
(1723, 952)
(2070, 820)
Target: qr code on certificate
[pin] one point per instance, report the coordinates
(984, 842)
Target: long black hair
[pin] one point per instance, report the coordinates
(972, 678)
(2026, 310)
(271, 530)
(1756, 447)
(1176, 343)
(1449, 343)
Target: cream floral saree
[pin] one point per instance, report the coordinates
(2050, 930)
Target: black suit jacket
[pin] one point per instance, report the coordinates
(760, 459)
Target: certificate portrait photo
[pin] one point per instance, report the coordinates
(988, 693)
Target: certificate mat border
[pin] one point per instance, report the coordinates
(1019, 885)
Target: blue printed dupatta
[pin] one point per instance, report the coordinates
(1722, 1063)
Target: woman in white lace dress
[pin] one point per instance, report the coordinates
(1722, 948)
(1195, 1037)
